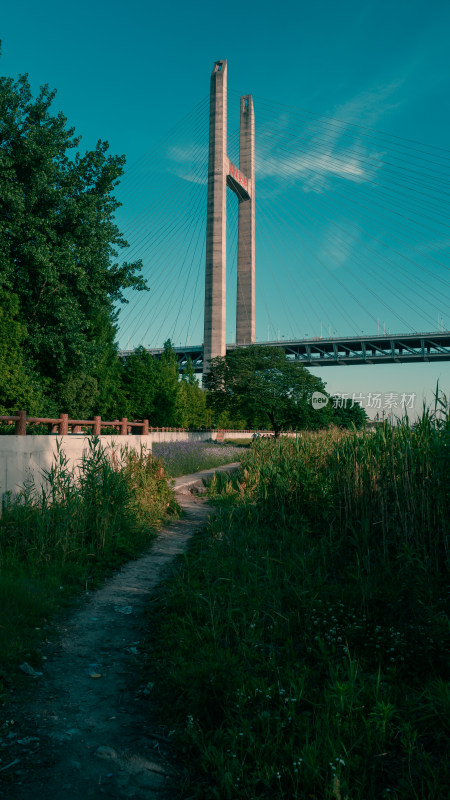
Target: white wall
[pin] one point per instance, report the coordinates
(23, 458)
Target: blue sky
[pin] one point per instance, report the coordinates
(337, 75)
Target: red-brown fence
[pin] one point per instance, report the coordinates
(63, 425)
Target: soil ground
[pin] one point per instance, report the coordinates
(85, 728)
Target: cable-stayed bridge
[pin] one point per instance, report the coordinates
(348, 228)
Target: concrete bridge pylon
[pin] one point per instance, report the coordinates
(241, 180)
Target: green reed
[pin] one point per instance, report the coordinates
(302, 648)
(391, 483)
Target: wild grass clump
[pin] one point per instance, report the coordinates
(185, 458)
(389, 487)
(303, 645)
(68, 534)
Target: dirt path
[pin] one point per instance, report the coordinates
(87, 731)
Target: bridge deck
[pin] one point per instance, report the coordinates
(385, 349)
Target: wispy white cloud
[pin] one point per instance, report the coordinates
(330, 147)
(313, 165)
(189, 162)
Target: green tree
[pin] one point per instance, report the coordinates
(58, 245)
(166, 388)
(19, 387)
(225, 420)
(259, 384)
(348, 414)
(110, 401)
(191, 400)
(139, 385)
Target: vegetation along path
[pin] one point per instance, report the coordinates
(87, 729)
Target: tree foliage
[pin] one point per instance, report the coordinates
(259, 384)
(58, 245)
(139, 384)
(166, 388)
(348, 414)
(191, 400)
(19, 387)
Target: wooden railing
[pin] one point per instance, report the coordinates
(63, 425)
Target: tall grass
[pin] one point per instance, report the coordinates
(68, 534)
(391, 485)
(303, 646)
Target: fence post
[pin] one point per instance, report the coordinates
(21, 424)
(145, 428)
(123, 426)
(64, 425)
(97, 426)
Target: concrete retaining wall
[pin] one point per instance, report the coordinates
(25, 458)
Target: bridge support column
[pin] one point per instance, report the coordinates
(222, 173)
(214, 343)
(245, 301)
